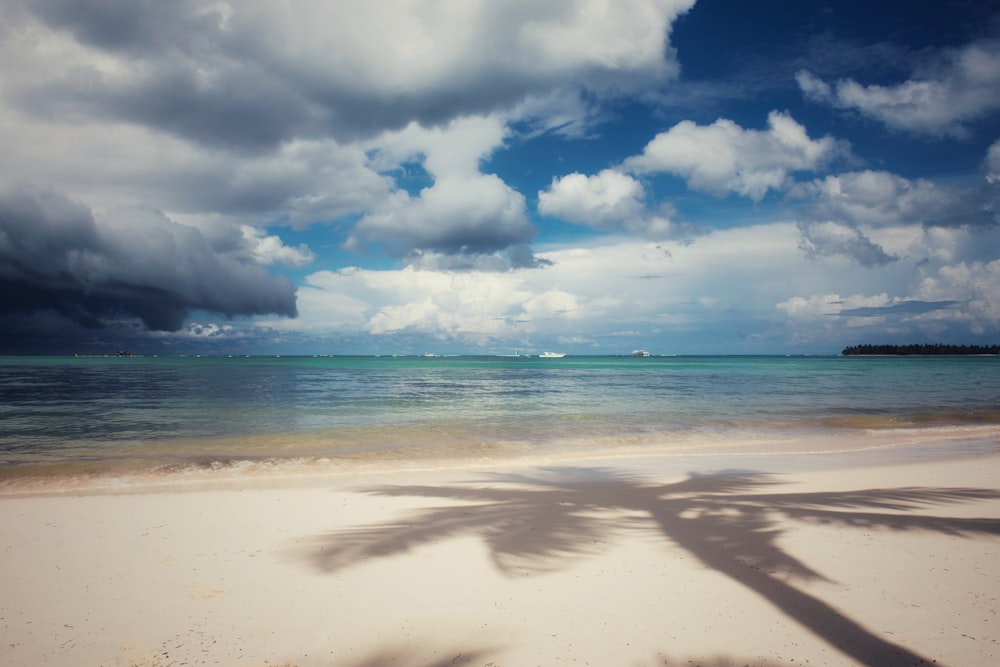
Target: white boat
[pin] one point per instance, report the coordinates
(640, 353)
(551, 355)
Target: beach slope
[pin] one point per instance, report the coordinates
(620, 563)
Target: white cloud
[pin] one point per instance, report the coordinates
(609, 201)
(453, 149)
(723, 157)
(405, 50)
(587, 292)
(947, 285)
(754, 283)
(602, 201)
(552, 304)
(463, 213)
(976, 284)
(300, 183)
(846, 209)
(878, 198)
(471, 214)
(262, 73)
(270, 250)
(258, 113)
(939, 101)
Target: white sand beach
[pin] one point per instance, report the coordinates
(623, 562)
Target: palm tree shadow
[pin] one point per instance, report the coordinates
(407, 657)
(729, 521)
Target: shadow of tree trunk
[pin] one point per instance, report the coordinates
(824, 621)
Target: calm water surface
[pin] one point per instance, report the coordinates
(71, 414)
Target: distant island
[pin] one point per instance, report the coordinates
(917, 349)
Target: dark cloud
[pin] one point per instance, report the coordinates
(181, 73)
(240, 109)
(132, 27)
(518, 256)
(233, 106)
(901, 308)
(55, 257)
(825, 239)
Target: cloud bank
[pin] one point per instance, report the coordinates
(55, 255)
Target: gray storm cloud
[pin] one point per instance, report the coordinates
(56, 256)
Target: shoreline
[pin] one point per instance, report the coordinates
(871, 556)
(793, 451)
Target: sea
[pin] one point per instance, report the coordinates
(141, 418)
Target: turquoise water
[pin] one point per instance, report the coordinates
(93, 414)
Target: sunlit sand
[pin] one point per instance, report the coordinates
(644, 561)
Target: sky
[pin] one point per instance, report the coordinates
(497, 176)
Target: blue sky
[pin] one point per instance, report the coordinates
(586, 177)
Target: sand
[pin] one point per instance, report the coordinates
(611, 562)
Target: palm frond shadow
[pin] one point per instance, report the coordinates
(408, 657)
(400, 656)
(729, 521)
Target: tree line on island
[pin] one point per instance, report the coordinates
(931, 349)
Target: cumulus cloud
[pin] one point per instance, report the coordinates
(610, 201)
(830, 316)
(476, 214)
(845, 209)
(939, 100)
(586, 294)
(468, 306)
(944, 289)
(724, 158)
(55, 255)
(300, 183)
(630, 293)
(256, 113)
(879, 199)
(601, 201)
(824, 239)
(464, 213)
(252, 75)
(976, 284)
(268, 250)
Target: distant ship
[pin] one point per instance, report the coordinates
(640, 353)
(551, 355)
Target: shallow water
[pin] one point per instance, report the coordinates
(62, 416)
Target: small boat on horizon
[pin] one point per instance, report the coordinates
(551, 355)
(640, 353)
